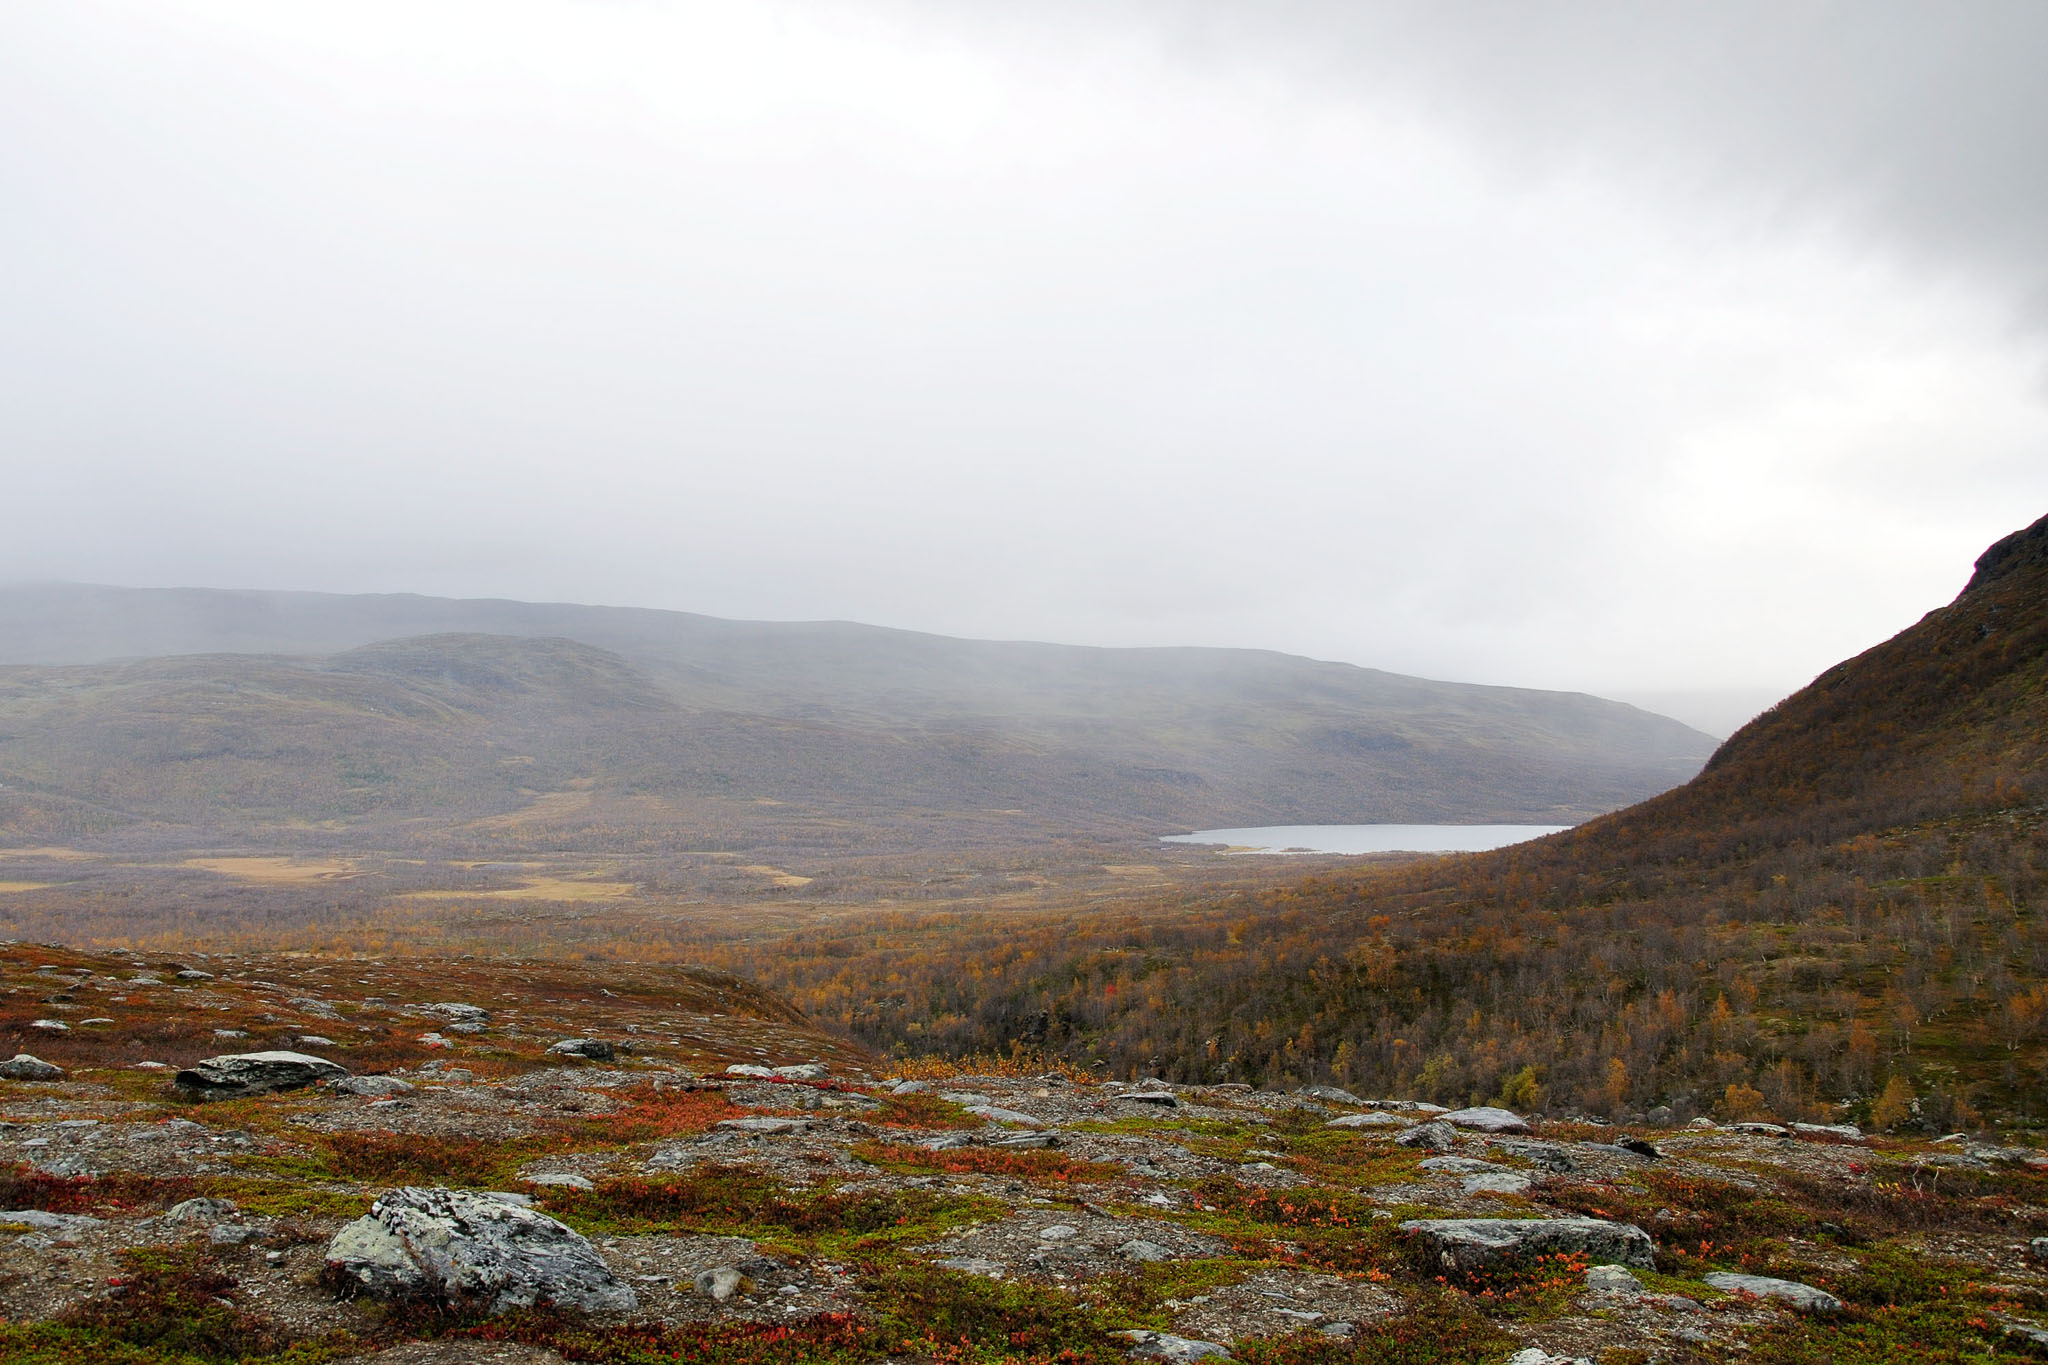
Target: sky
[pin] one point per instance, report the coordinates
(1668, 351)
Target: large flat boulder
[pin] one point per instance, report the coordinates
(1486, 1118)
(1466, 1244)
(474, 1251)
(1803, 1298)
(237, 1074)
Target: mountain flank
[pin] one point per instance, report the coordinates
(1851, 899)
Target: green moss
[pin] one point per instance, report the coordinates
(1924, 1334)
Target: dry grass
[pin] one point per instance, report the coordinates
(277, 871)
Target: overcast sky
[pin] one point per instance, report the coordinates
(1620, 347)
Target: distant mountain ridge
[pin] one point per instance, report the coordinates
(855, 717)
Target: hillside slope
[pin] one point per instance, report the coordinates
(1853, 890)
(854, 718)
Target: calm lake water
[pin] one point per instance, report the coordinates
(1366, 838)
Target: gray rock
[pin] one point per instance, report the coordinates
(231, 1033)
(1457, 1165)
(1660, 1116)
(50, 1025)
(473, 1251)
(1138, 1249)
(1149, 1345)
(974, 1265)
(997, 1115)
(720, 1282)
(908, 1088)
(1015, 1142)
(1058, 1232)
(64, 1226)
(1474, 1243)
(563, 1181)
(946, 1142)
(231, 1234)
(313, 1040)
(235, 1075)
(194, 974)
(199, 1211)
(803, 1071)
(754, 1070)
(1802, 1298)
(23, 1067)
(307, 1004)
(1486, 1119)
(1839, 1130)
(2027, 1332)
(1334, 1094)
(590, 1049)
(1164, 1099)
(1762, 1129)
(455, 1012)
(1497, 1182)
(2038, 1248)
(374, 1087)
(764, 1127)
(1435, 1135)
(1338, 1329)
(1612, 1279)
(1536, 1355)
(1371, 1120)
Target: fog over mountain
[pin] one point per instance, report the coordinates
(1634, 350)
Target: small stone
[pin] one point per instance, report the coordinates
(1059, 1232)
(998, 1115)
(1702, 1123)
(567, 1181)
(590, 1049)
(765, 1127)
(314, 1040)
(1456, 1165)
(758, 1072)
(973, 1265)
(1803, 1298)
(1339, 1330)
(1163, 1099)
(719, 1282)
(432, 1040)
(1334, 1094)
(201, 1210)
(2038, 1248)
(377, 1087)
(946, 1142)
(1371, 1120)
(805, 1071)
(1837, 1130)
(908, 1088)
(231, 1033)
(1497, 1182)
(50, 1025)
(194, 974)
(1151, 1345)
(1138, 1249)
(23, 1067)
(1612, 1279)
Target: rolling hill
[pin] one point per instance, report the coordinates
(246, 711)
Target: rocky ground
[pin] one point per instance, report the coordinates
(610, 1164)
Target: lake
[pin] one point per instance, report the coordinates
(1366, 838)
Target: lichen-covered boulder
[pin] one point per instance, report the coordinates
(1803, 1298)
(237, 1074)
(25, 1067)
(1486, 1118)
(473, 1251)
(1464, 1244)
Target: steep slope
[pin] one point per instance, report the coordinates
(1855, 889)
(1150, 739)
